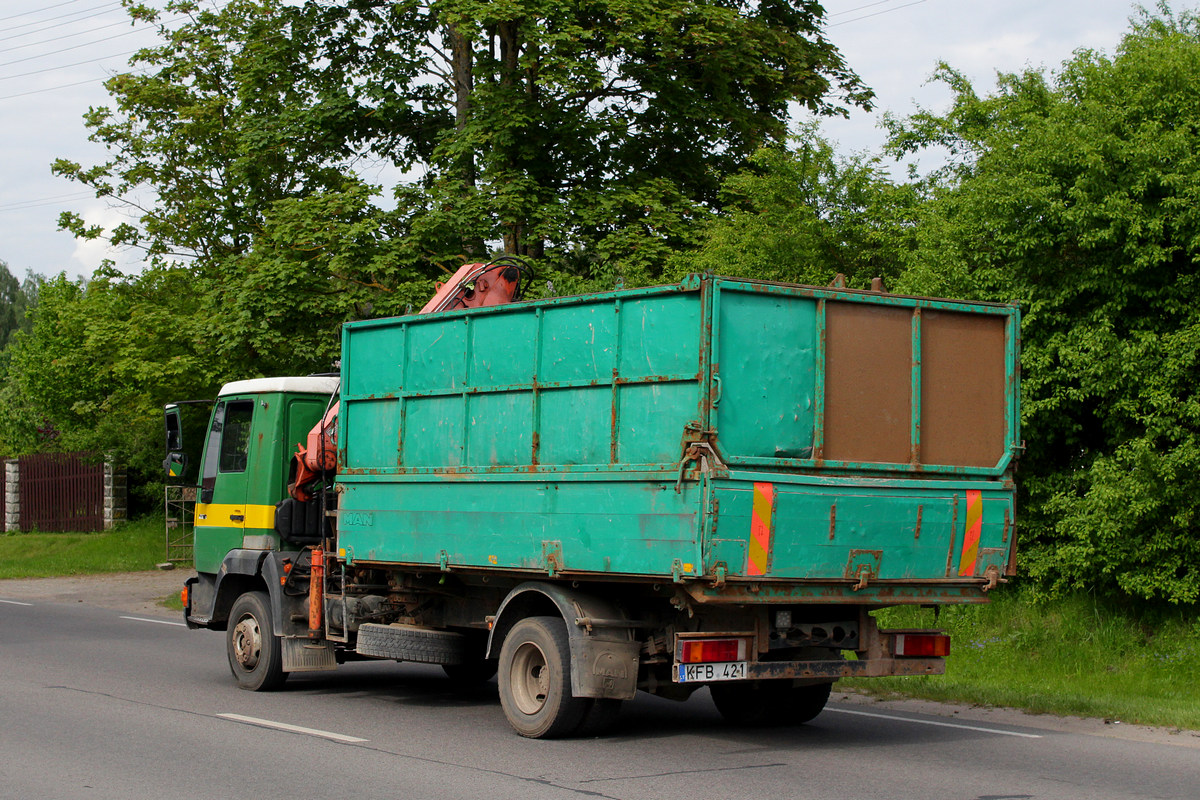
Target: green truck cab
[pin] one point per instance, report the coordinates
(711, 483)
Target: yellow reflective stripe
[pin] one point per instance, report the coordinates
(221, 515)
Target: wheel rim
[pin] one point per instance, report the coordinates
(247, 642)
(530, 678)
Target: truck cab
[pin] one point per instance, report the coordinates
(254, 427)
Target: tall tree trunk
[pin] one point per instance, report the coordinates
(463, 73)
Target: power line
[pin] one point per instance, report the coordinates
(105, 10)
(859, 8)
(53, 39)
(48, 201)
(50, 89)
(877, 13)
(43, 8)
(74, 46)
(67, 66)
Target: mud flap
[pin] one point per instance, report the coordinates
(301, 655)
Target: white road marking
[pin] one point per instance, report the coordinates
(15, 603)
(159, 621)
(283, 726)
(996, 731)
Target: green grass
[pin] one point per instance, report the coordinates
(1071, 656)
(132, 546)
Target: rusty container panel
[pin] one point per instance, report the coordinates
(602, 381)
(868, 383)
(963, 389)
(764, 384)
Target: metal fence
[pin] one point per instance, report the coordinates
(181, 520)
(62, 492)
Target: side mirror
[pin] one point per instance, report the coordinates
(175, 465)
(174, 428)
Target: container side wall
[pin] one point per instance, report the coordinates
(638, 527)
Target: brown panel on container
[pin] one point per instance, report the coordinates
(868, 383)
(962, 389)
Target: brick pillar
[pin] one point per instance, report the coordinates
(12, 495)
(116, 494)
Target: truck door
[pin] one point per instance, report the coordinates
(221, 510)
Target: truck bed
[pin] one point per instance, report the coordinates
(752, 442)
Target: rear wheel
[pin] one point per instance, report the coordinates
(769, 702)
(255, 652)
(535, 680)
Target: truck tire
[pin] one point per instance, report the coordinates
(410, 643)
(535, 680)
(761, 703)
(255, 652)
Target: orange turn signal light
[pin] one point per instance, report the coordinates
(922, 645)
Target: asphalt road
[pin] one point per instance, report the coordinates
(104, 703)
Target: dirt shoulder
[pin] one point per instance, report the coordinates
(130, 592)
(142, 592)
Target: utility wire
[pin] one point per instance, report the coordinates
(67, 66)
(48, 202)
(74, 46)
(43, 8)
(53, 88)
(859, 8)
(56, 25)
(54, 39)
(877, 13)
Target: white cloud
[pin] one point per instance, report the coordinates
(89, 253)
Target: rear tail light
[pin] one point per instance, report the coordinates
(698, 651)
(927, 645)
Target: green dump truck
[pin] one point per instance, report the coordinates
(713, 484)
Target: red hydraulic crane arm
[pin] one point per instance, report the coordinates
(494, 283)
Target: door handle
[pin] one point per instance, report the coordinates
(238, 517)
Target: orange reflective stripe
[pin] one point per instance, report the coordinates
(759, 551)
(970, 548)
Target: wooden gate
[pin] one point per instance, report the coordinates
(62, 492)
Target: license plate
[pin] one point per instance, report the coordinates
(722, 671)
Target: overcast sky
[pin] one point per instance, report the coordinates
(54, 54)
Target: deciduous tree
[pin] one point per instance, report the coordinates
(1076, 195)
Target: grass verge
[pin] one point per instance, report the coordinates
(1069, 656)
(132, 546)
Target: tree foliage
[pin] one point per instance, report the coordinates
(590, 136)
(100, 362)
(1076, 194)
(803, 214)
(595, 130)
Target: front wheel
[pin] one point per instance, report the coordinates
(255, 652)
(535, 680)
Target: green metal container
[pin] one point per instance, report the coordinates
(750, 441)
